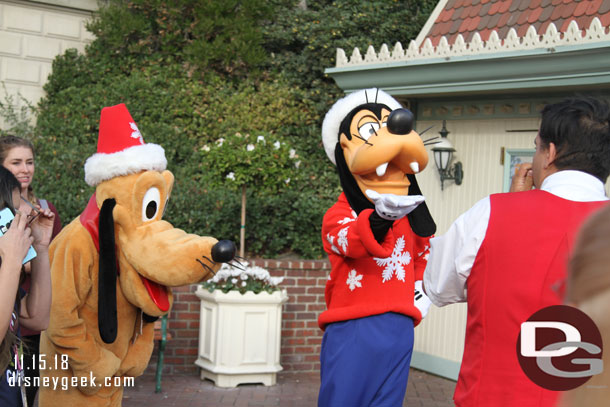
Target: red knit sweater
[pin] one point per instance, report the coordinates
(368, 278)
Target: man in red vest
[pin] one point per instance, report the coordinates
(506, 256)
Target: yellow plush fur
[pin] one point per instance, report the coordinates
(145, 248)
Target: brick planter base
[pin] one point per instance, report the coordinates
(301, 337)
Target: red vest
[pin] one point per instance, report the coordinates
(519, 269)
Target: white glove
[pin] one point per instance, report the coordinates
(421, 300)
(393, 207)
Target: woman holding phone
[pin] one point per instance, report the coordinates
(17, 155)
(18, 309)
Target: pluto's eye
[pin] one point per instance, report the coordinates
(367, 130)
(151, 204)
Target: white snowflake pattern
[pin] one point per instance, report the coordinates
(136, 133)
(348, 220)
(354, 280)
(396, 262)
(342, 238)
(331, 239)
(427, 251)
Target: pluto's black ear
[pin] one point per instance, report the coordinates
(106, 302)
(420, 219)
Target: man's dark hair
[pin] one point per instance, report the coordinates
(580, 129)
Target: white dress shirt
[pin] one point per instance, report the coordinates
(452, 254)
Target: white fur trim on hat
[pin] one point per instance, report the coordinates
(341, 108)
(102, 167)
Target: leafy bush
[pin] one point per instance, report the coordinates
(192, 72)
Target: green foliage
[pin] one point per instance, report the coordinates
(192, 72)
(262, 162)
(221, 35)
(17, 114)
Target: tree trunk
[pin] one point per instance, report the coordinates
(242, 231)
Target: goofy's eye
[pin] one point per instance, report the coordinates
(151, 204)
(368, 129)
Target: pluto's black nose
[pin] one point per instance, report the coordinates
(223, 251)
(400, 121)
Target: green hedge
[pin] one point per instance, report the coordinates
(192, 72)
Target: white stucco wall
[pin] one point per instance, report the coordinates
(32, 33)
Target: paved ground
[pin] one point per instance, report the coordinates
(292, 390)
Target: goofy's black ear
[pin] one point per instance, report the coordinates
(106, 303)
(420, 219)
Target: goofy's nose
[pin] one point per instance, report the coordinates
(400, 121)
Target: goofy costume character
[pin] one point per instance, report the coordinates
(377, 240)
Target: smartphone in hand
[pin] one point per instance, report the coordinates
(6, 217)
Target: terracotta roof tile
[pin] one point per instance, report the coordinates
(474, 23)
(559, 23)
(525, 4)
(580, 9)
(493, 21)
(565, 24)
(483, 23)
(593, 7)
(503, 20)
(568, 10)
(485, 9)
(474, 11)
(605, 7)
(543, 27)
(469, 16)
(512, 21)
(505, 5)
(557, 12)
(465, 27)
(503, 31)
(534, 15)
(523, 17)
(522, 30)
(464, 13)
(445, 15)
(485, 34)
(584, 21)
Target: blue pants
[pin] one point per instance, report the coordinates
(365, 362)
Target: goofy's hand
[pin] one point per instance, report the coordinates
(421, 300)
(393, 207)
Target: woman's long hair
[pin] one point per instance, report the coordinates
(8, 183)
(7, 143)
(588, 288)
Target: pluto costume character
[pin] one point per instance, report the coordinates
(112, 268)
(377, 240)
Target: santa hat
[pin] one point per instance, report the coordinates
(121, 149)
(341, 108)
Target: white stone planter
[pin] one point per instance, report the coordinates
(239, 336)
